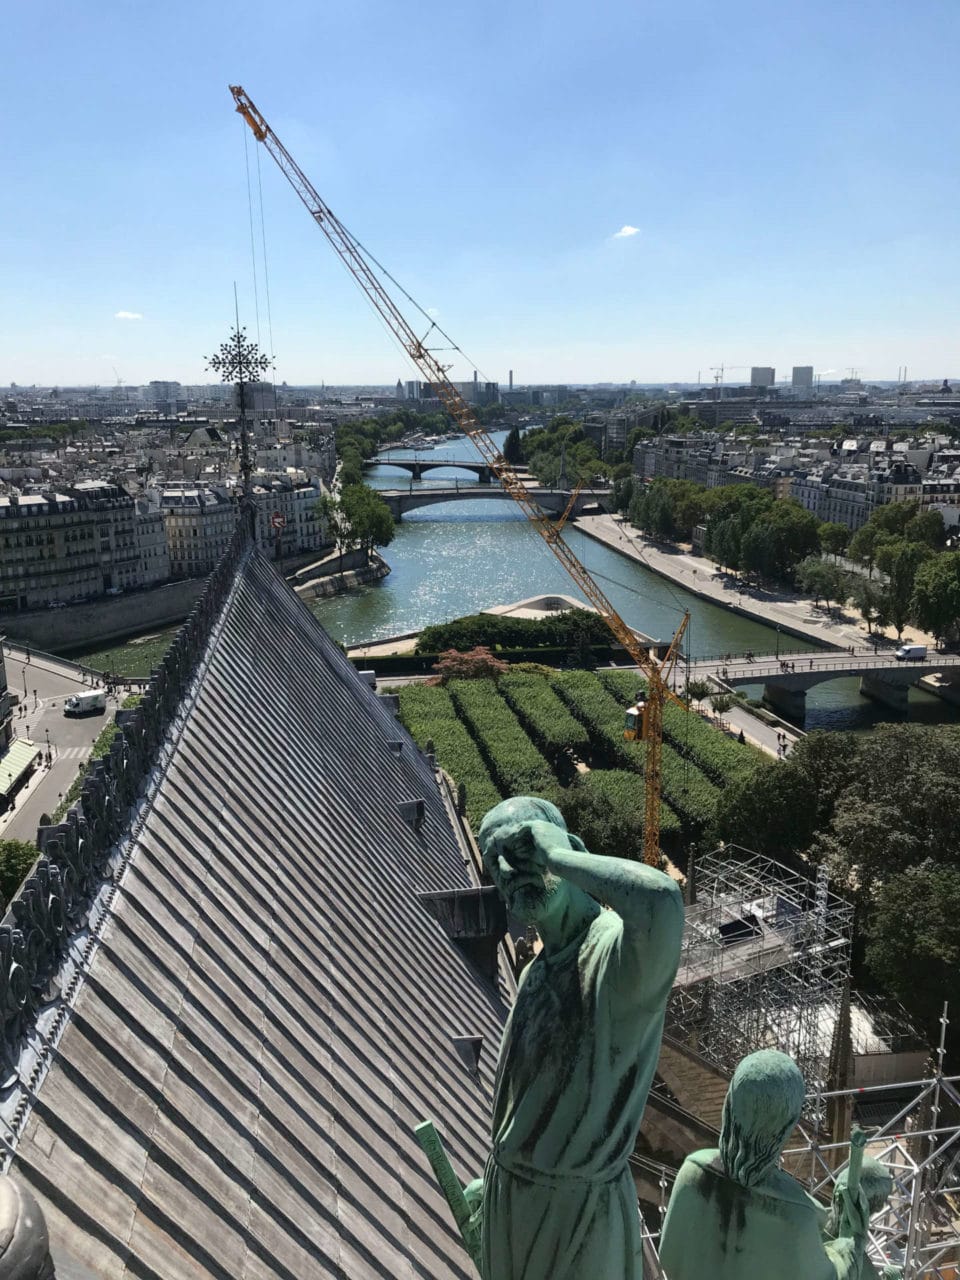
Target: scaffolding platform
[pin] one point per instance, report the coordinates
(766, 956)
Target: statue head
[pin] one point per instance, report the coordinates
(762, 1106)
(530, 895)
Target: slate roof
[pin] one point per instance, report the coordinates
(271, 1009)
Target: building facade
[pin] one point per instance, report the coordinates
(199, 522)
(57, 546)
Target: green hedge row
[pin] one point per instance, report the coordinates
(517, 766)
(606, 809)
(722, 759)
(543, 715)
(428, 712)
(686, 790)
(602, 717)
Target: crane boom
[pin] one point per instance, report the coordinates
(360, 265)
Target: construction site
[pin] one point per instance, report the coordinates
(766, 964)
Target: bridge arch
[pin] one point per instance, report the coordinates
(418, 467)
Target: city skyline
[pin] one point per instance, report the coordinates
(637, 195)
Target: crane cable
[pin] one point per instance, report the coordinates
(253, 244)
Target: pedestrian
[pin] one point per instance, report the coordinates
(741, 739)
(811, 664)
(27, 652)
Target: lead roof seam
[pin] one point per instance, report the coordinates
(105, 907)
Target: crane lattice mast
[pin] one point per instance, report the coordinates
(358, 262)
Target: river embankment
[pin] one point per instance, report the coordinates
(792, 614)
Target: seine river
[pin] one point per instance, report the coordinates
(459, 557)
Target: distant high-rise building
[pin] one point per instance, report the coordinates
(802, 377)
(511, 379)
(761, 375)
(413, 390)
(399, 391)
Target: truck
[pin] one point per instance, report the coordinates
(911, 653)
(90, 702)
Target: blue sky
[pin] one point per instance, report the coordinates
(790, 169)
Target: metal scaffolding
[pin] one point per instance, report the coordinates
(766, 956)
(914, 1129)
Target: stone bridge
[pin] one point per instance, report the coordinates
(786, 679)
(400, 501)
(416, 466)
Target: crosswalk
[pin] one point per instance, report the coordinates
(71, 753)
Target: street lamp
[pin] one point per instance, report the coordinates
(778, 639)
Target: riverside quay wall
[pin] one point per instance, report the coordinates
(103, 620)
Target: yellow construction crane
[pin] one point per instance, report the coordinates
(644, 720)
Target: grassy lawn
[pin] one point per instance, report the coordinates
(136, 657)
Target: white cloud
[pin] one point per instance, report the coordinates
(127, 315)
(625, 231)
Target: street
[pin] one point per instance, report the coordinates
(39, 717)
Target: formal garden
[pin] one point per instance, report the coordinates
(559, 734)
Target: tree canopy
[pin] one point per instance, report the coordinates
(366, 516)
(936, 595)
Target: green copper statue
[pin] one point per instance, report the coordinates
(876, 1183)
(578, 1053)
(735, 1215)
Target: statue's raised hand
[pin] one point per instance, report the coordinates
(527, 846)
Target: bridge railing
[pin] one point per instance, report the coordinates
(763, 667)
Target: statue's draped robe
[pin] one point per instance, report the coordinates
(716, 1229)
(578, 1055)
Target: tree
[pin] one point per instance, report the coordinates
(16, 859)
(367, 517)
(862, 548)
(721, 704)
(834, 538)
(778, 811)
(913, 939)
(723, 541)
(816, 578)
(623, 491)
(696, 690)
(870, 599)
(758, 552)
(336, 529)
(511, 447)
(936, 595)
(477, 664)
(899, 806)
(927, 527)
(900, 561)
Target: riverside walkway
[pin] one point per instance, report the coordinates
(793, 614)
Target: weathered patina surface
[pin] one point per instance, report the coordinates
(734, 1215)
(578, 1053)
(876, 1183)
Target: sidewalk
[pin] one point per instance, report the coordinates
(795, 615)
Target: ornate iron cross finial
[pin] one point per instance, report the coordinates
(240, 361)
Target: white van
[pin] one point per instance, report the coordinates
(911, 653)
(85, 704)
